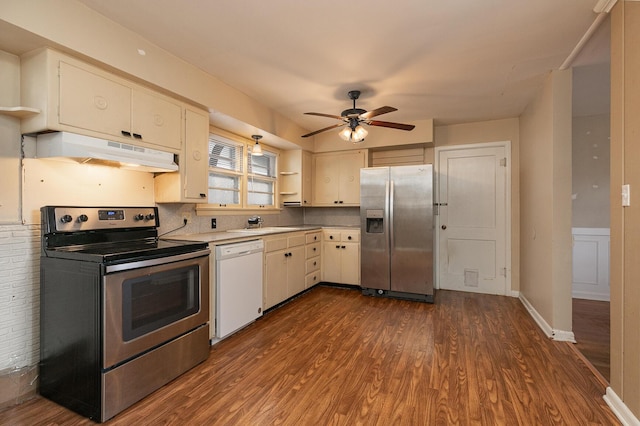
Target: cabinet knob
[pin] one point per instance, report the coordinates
(314, 249)
(125, 133)
(344, 247)
(349, 237)
(337, 247)
(331, 237)
(137, 135)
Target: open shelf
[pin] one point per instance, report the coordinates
(19, 111)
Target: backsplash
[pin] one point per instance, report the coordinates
(332, 216)
(171, 218)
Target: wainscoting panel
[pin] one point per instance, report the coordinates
(591, 263)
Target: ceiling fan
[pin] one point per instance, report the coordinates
(354, 117)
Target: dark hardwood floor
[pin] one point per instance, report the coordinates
(591, 320)
(333, 356)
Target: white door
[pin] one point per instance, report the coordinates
(472, 225)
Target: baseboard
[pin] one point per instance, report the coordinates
(618, 407)
(559, 335)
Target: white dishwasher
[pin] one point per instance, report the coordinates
(238, 285)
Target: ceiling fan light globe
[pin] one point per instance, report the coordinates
(359, 133)
(345, 134)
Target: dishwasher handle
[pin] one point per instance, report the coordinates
(245, 248)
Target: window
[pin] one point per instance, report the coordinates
(238, 179)
(262, 179)
(225, 171)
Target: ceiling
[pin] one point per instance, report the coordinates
(453, 61)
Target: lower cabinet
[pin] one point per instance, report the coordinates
(341, 256)
(284, 267)
(296, 261)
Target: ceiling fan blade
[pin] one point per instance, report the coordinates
(377, 111)
(324, 115)
(398, 126)
(322, 130)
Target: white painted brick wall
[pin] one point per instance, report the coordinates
(19, 296)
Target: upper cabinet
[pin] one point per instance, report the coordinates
(80, 98)
(337, 178)
(295, 178)
(190, 184)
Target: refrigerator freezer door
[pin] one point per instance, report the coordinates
(374, 226)
(411, 216)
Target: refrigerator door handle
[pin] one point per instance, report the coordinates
(391, 220)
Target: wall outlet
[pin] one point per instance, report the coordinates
(186, 217)
(213, 223)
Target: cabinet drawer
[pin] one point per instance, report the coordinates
(350, 236)
(313, 237)
(296, 240)
(331, 236)
(312, 250)
(312, 264)
(312, 279)
(275, 244)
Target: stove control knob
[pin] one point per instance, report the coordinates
(83, 218)
(66, 218)
(139, 216)
(150, 216)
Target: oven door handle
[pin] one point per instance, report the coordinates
(156, 261)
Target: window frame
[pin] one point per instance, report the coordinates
(268, 178)
(244, 175)
(236, 172)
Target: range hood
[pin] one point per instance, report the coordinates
(89, 150)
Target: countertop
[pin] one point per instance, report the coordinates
(228, 236)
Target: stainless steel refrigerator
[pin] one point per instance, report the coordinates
(396, 219)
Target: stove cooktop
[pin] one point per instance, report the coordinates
(130, 251)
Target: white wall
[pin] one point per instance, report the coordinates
(590, 171)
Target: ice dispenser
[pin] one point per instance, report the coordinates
(375, 221)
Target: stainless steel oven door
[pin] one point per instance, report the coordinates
(148, 303)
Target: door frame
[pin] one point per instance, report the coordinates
(508, 207)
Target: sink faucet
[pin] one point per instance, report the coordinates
(255, 220)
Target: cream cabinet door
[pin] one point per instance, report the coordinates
(156, 120)
(295, 270)
(349, 183)
(307, 178)
(275, 288)
(327, 177)
(92, 102)
(350, 263)
(196, 174)
(331, 262)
